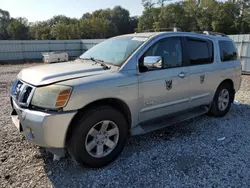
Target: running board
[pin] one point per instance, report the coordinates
(160, 123)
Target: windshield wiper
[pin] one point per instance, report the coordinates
(101, 62)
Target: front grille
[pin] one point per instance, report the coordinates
(26, 94)
(21, 93)
(15, 88)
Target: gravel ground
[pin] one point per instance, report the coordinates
(202, 152)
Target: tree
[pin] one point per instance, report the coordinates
(100, 27)
(74, 31)
(226, 18)
(120, 18)
(18, 30)
(191, 15)
(133, 23)
(148, 18)
(95, 28)
(161, 2)
(86, 16)
(40, 31)
(60, 31)
(243, 20)
(172, 16)
(148, 4)
(60, 19)
(4, 21)
(205, 14)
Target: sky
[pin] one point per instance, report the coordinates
(39, 10)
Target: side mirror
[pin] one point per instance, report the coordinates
(153, 62)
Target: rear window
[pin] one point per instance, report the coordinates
(227, 51)
(200, 51)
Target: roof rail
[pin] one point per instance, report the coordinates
(212, 33)
(175, 29)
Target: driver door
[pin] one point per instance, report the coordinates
(164, 89)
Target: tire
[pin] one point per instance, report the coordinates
(81, 138)
(216, 108)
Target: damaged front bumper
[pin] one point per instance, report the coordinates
(46, 129)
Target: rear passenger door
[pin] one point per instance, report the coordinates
(202, 78)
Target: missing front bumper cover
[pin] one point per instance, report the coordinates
(16, 121)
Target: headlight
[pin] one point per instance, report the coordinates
(51, 97)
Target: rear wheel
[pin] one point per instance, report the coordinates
(99, 137)
(222, 100)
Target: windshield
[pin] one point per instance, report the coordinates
(114, 51)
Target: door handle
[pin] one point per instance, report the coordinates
(182, 75)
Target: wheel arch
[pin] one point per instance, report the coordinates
(230, 82)
(115, 103)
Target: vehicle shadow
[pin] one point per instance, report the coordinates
(66, 173)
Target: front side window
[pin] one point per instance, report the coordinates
(170, 50)
(114, 51)
(200, 51)
(227, 51)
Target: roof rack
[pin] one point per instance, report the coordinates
(175, 29)
(212, 33)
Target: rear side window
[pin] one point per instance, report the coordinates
(227, 51)
(200, 51)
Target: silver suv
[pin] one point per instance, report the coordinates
(130, 84)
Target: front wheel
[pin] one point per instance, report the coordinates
(99, 137)
(222, 100)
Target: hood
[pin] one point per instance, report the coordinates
(51, 73)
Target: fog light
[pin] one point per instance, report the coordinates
(29, 133)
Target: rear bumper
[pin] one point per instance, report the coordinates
(41, 128)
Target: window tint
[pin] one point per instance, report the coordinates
(200, 51)
(169, 49)
(227, 51)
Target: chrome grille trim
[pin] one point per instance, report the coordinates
(18, 90)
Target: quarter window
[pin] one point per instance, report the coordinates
(227, 51)
(200, 51)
